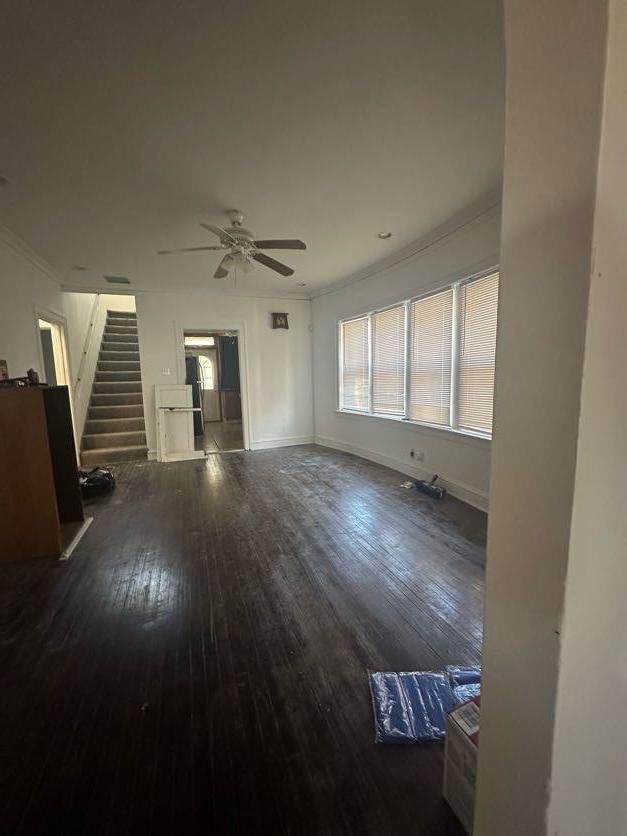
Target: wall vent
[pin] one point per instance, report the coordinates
(117, 280)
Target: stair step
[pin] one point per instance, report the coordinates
(95, 426)
(122, 314)
(121, 329)
(115, 429)
(116, 399)
(94, 441)
(98, 413)
(110, 388)
(110, 455)
(130, 356)
(114, 337)
(120, 323)
(118, 365)
(124, 375)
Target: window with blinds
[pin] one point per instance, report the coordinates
(430, 358)
(388, 361)
(355, 366)
(477, 349)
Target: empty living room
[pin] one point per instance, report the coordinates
(312, 510)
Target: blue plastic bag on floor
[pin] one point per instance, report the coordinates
(470, 675)
(411, 706)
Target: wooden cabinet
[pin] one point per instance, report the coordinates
(39, 486)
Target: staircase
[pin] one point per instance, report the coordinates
(115, 430)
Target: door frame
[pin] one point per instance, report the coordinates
(59, 320)
(211, 327)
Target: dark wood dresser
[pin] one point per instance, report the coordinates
(39, 488)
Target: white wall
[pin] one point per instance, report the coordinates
(590, 745)
(278, 371)
(462, 462)
(119, 302)
(78, 309)
(555, 59)
(26, 286)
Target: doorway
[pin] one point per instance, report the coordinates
(55, 371)
(212, 370)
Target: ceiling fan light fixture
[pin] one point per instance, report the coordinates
(244, 250)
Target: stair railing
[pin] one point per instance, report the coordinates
(86, 345)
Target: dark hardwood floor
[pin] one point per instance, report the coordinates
(199, 665)
(220, 436)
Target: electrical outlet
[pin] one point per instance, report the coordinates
(165, 372)
(417, 455)
(412, 454)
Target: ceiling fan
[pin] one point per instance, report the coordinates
(243, 248)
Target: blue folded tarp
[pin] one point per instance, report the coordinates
(412, 705)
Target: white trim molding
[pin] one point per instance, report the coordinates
(288, 441)
(460, 490)
(13, 242)
(485, 209)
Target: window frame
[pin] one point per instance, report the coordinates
(340, 366)
(453, 425)
(405, 307)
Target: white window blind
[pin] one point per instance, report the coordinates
(355, 392)
(430, 358)
(478, 314)
(388, 361)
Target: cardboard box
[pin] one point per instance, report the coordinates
(460, 761)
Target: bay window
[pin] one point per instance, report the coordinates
(429, 360)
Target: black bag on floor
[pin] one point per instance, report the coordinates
(97, 481)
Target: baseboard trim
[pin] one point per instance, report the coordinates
(65, 555)
(460, 490)
(290, 441)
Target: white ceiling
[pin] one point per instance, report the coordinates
(125, 124)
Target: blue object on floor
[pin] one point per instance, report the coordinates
(463, 676)
(411, 706)
(463, 693)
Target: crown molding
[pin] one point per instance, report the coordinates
(478, 212)
(20, 248)
(187, 291)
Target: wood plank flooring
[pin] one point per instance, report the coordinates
(221, 436)
(199, 665)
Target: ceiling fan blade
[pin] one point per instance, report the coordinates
(222, 234)
(190, 250)
(264, 259)
(222, 271)
(281, 244)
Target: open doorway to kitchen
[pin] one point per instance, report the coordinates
(212, 370)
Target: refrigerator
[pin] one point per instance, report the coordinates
(193, 378)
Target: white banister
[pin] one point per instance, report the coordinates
(88, 339)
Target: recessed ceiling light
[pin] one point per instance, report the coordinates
(384, 235)
(3, 181)
(80, 268)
